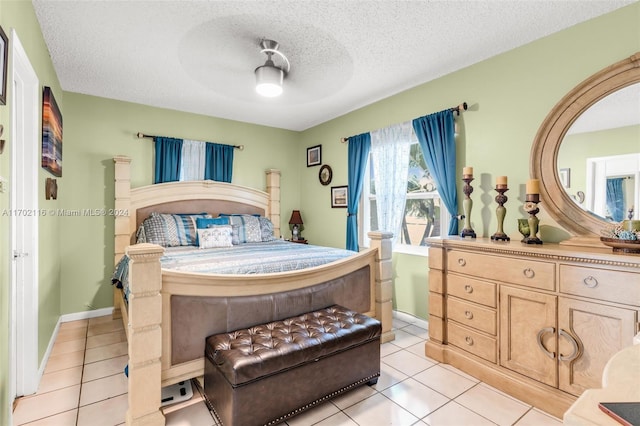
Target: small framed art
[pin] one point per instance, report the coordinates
(339, 196)
(4, 54)
(51, 134)
(565, 177)
(314, 155)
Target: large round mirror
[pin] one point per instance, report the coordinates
(599, 157)
(576, 159)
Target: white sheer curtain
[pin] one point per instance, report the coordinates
(193, 160)
(390, 149)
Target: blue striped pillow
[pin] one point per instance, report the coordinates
(248, 227)
(170, 230)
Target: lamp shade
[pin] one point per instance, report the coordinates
(269, 80)
(296, 218)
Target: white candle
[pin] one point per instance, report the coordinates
(467, 171)
(501, 180)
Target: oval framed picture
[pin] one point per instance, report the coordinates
(325, 175)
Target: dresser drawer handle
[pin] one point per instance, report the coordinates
(468, 314)
(529, 273)
(574, 344)
(462, 262)
(468, 289)
(469, 340)
(590, 282)
(541, 333)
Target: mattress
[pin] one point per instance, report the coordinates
(249, 258)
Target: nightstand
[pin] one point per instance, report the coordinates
(298, 241)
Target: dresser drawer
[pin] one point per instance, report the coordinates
(472, 341)
(477, 291)
(472, 315)
(602, 284)
(525, 272)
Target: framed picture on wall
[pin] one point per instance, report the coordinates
(51, 134)
(4, 54)
(565, 177)
(339, 196)
(314, 155)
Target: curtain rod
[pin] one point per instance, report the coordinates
(141, 135)
(457, 109)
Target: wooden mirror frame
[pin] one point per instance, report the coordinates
(585, 226)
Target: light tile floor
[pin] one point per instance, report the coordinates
(83, 384)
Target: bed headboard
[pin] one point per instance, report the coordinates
(186, 197)
(213, 207)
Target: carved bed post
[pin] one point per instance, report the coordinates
(122, 203)
(145, 335)
(273, 189)
(384, 282)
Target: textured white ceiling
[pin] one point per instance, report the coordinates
(199, 56)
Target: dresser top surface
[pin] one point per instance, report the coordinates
(551, 251)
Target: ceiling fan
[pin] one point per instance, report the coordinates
(270, 77)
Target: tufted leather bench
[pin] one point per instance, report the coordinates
(265, 374)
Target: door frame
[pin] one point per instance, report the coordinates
(25, 119)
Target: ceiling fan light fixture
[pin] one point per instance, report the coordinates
(270, 77)
(269, 81)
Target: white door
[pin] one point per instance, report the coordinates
(24, 224)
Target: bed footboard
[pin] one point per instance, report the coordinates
(149, 327)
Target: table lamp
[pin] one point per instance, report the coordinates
(296, 229)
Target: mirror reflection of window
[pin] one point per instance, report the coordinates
(615, 199)
(613, 186)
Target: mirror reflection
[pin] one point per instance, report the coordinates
(599, 158)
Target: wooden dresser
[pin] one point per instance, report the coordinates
(536, 321)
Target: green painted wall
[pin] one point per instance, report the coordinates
(97, 129)
(19, 15)
(577, 148)
(509, 96)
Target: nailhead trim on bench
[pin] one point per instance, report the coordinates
(305, 407)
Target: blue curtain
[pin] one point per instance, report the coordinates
(615, 199)
(359, 147)
(435, 133)
(219, 162)
(168, 158)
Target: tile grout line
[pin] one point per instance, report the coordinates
(84, 357)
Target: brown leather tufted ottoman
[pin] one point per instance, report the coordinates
(265, 374)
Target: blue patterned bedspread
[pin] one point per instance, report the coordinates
(249, 258)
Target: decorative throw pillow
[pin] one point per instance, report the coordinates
(235, 235)
(248, 227)
(140, 236)
(215, 236)
(266, 229)
(170, 230)
(202, 223)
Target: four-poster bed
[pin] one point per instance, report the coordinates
(169, 314)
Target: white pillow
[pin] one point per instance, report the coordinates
(215, 236)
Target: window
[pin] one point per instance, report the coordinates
(425, 215)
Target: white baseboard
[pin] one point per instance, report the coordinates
(47, 353)
(86, 314)
(67, 318)
(403, 316)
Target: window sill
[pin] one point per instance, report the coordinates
(406, 249)
(412, 250)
